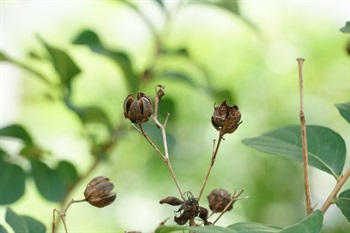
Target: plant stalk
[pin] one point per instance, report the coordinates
(210, 166)
(340, 183)
(304, 139)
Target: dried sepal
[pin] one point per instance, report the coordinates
(203, 214)
(99, 193)
(138, 110)
(226, 119)
(188, 210)
(174, 201)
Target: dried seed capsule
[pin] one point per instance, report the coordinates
(226, 119)
(138, 110)
(98, 192)
(218, 199)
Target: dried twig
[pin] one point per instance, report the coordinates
(304, 140)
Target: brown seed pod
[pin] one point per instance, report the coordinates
(98, 192)
(218, 199)
(138, 110)
(226, 119)
(174, 201)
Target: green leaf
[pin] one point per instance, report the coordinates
(344, 110)
(326, 148)
(346, 28)
(2, 229)
(91, 39)
(16, 131)
(92, 114)
(230, 5)
(17, 223)
(33, 225)
(310, 224)
(343, 203)
(63, 64)
(161, 4)
(68, 174)
(4, 57)
(12, 179)
(23, 224)
(252, 227)
(48, 181)
(168, 229)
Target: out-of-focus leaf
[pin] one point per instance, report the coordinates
(68, 174)
(160, 2)
(179, 51)
(343, 203)
(230, 5)
(344, 110)
(4, 57)
(48, 181)
(33, 225)
(12, 182)
(92, 114)
(91, 39)
(16, 131)
(346, 28)
(17, 223)
(326, 148)
(179, 76)
(252, 227)
(23, 224)
(2, 229)
(31, 151)
(63, 64)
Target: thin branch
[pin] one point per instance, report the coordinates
(233, 200)
(304, 140)
(62, 215)
(210, 166)
(165, 156)
(340, 183)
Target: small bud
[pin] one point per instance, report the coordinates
(98, 192)
(218, 200)
(138, 110)
(226, 119)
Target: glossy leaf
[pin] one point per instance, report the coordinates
(63, 64)
(344, 110)
(23, 224)
(16, 131)
(343, 203)
(91, 39)
(230, 5)
(12, 183)
(17, 223)
(346, 28)
(326, 148)
(47, 181)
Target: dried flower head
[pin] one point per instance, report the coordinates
(218, 199)
(138, 110)
(226, 119)
(98, 192)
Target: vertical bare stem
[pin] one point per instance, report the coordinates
(210, 166)
(303, 137)
(335, 191)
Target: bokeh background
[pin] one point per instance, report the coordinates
(246, 58)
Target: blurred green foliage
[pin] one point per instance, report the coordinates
(74, 84)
